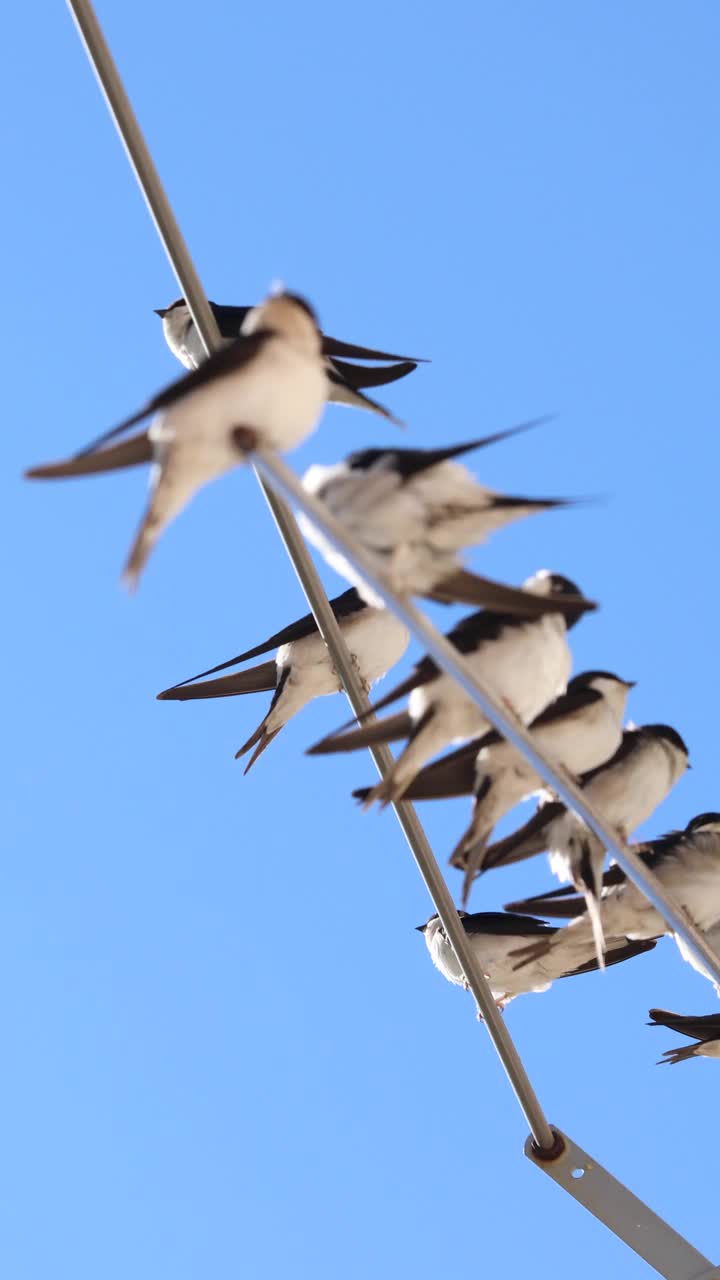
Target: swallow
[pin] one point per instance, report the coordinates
(525, 661)
(412, 511)
(345, 381)
(265, 390)
(704, 1031)
(302, 668)
(687, 864)
(495, 935)
(579, 730)
(345, 384)
(626, 789)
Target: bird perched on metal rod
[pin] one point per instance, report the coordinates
(579, 730)
(302, 668)
(265, 390)
(626, 790)
(524, 661)
(345, 381)
(704, 1031)
(495, 935)
(687, 864)
(412, 512)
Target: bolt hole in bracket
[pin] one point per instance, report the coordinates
(629, 1218)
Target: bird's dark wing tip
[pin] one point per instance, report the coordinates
(46, 472)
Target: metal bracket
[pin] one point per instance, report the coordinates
(620, 1211)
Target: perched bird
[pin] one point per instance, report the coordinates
(704, 1031)
(345, 381)
(579, 730)
(626, 790)
(412, 511)
(302, 668)
(265, 390)
(495, 935)
(525, 661)
(687, 865)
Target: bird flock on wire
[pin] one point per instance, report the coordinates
(413, 512)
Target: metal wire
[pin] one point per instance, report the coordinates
(452, 661)
(171, 237)
(550, 1151)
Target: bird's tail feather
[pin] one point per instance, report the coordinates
(473, 863)
(593, 910)
(173, 487)
(261, 739)
(672, 1056)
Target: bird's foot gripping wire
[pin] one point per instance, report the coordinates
(363, 681)
(244, 439)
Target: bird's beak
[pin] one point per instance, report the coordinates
(420, 928)
(161, 313)
(630, 684)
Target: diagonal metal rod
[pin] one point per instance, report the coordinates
(686, 1263)
(171, 237)
(451, 660)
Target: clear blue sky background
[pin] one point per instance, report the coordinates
(224, 1049)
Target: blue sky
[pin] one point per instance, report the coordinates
(224, 1047)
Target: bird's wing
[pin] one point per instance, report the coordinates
(342, 606)
(701, 1028)
(390, 730)
(464, 587)
(565, 904)
(424, 671)
(130, 453)
(256, 680)
(526, 841)
(565, 705)
(503, 923)
(453, 775)
(229, 319)
(614, 955)
(225, 360)
(359, 375)
(351, 351)
(561, 909)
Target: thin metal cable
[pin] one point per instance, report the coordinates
(171, 237)
(457, 666)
